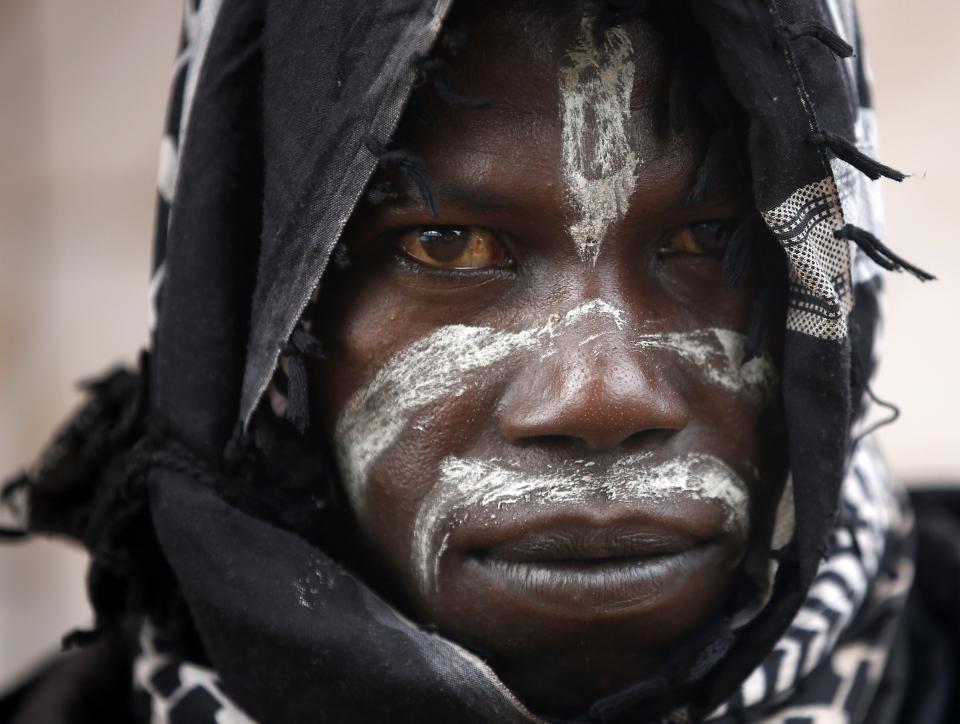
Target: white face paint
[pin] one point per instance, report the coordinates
(478, 488)
(445, 363)
(599, 162)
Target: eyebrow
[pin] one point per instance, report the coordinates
(475, 197)
(454, 193)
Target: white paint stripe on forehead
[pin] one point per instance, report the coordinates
(599, 162)
(440, 366)
(478, 487)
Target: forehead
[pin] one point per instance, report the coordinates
(514, 54)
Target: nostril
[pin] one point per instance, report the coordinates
(549, 443)
(641, 420)
(567, 445)
(648, 439)
(599, 403)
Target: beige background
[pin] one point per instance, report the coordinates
(83, 88)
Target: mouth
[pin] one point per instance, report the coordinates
(577, 565)
(578, 544)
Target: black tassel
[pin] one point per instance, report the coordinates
(679, 95)
(737, 255)
(412, 166)
(443, 78)
(722, 174)
(416, 170)
(815, 29)
(759, 317)
(880, 252)
(846, 151)
(298, 402)
(306, 344)
(301, 345)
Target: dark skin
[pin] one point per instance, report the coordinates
(498, 178)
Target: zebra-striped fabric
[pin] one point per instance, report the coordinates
(199, 18)
(825, 668)
(174, 691)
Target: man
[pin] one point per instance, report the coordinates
(571, 428)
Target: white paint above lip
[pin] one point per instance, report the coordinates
(599, 161)
(471, 487)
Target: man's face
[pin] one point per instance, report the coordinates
(550, 448)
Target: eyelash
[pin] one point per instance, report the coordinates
(415, 267)
(723, 228)
(406, 241)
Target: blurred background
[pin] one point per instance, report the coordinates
(84, 90)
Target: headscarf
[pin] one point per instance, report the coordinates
(281, 112)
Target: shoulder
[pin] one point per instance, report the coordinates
(89, 685)
(931, 633)
(938, 555)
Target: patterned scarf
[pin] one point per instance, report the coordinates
(825, 669)
(828, 627)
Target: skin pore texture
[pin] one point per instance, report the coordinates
(549, 448)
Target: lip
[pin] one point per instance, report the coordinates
(575, 541)
(600, 560)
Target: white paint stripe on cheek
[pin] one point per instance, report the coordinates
(718, 353)
(440, 366)
(599, 162)
(428, 370)
(478, 487)
(431, 369)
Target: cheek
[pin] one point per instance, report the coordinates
(393, 416)
(398, 399)
(405, 475)
(696, 289)
(749, 432)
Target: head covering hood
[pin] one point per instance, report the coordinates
(279, 116)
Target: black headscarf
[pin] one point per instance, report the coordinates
(196, 503)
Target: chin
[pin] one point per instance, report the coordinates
(583, 602)
(564, 636)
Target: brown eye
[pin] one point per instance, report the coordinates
(707, 238)
(455, 247)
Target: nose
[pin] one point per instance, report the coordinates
(596, 391)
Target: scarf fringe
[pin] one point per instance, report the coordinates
(880, 253)
(302, 345)
(817, 30)
(847, 151)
